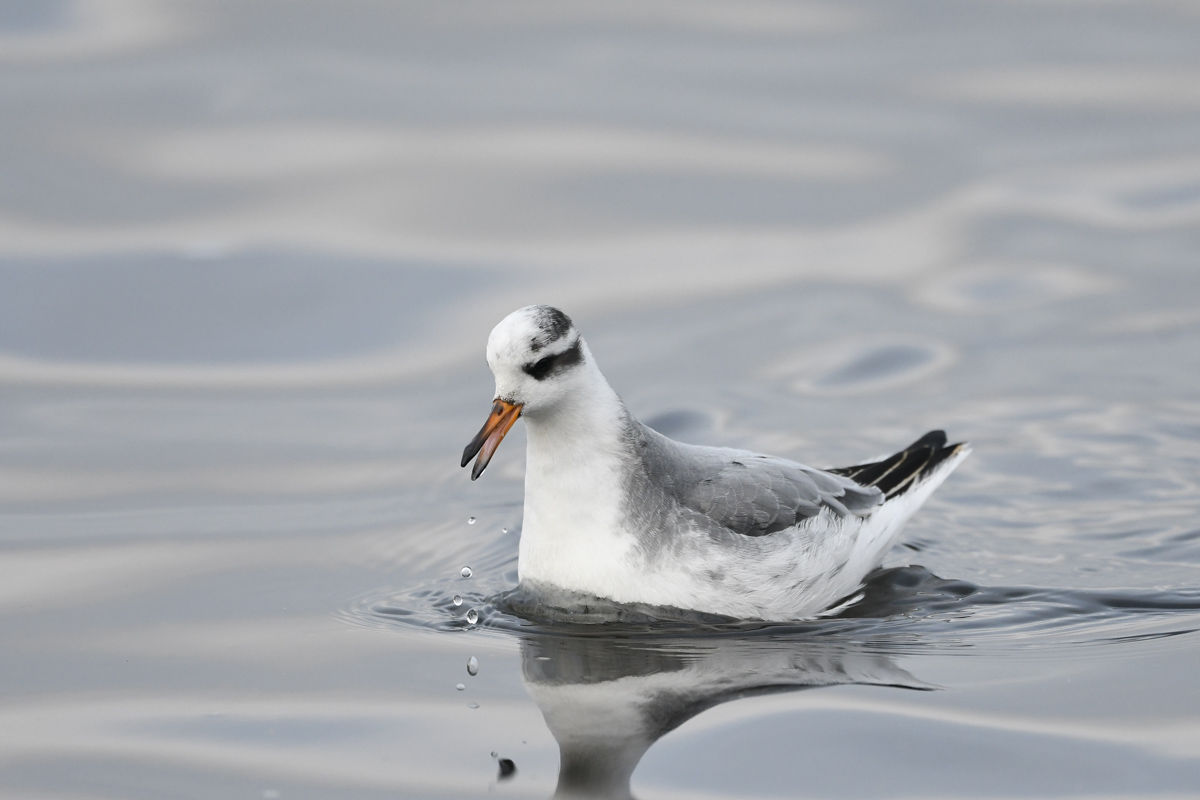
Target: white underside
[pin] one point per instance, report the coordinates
(573, 538)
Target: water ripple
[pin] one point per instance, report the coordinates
(905, 609)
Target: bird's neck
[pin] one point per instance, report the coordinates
(586, 426)
(572, 535)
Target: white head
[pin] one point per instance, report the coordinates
(536, 355)
(538, 360)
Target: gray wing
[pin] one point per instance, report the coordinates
(749, 493)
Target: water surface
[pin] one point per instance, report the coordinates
(250, 255)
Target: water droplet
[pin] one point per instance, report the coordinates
(472, 666)
(472, 617)
(504, 530)
(507, 768)
(472, 705)
(457, 600)
(494, 754)
(466, 572)
(470, 520)
(460, 686)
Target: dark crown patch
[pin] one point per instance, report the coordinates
(553, 325)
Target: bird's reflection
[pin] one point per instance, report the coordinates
(607, 700)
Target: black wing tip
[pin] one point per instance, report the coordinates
(935, 439)
(900, 471)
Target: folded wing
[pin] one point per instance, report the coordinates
(748, 493)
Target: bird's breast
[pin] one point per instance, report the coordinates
(574, 534)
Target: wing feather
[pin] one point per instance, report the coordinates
(747, 493)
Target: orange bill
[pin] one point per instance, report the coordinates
(490, 435)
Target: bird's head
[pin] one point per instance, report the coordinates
(538, 358)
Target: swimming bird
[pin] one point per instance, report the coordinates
(616, 510)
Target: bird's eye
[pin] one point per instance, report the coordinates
(541, 368)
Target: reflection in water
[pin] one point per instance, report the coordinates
(607, 700)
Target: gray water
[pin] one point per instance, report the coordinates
(249, 257)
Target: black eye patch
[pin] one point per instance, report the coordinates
(545, 367)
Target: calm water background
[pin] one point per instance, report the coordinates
(249, 257)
